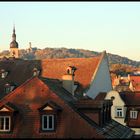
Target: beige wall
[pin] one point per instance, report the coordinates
(117, 102)
(16, 52)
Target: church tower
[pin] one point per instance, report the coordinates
(14, 52)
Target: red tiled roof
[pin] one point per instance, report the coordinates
(21, 70)
(56, 68)
(131, 98)
(28, 98)
(90, 103)
(135, 82)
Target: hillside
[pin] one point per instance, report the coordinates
(36, 53)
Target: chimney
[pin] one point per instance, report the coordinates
(68, 80)
(36, 72)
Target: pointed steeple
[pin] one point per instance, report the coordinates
(14, 44)
(14, 34)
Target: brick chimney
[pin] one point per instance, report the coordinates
(68, 80)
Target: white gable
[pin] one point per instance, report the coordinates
(48, 108)
(101, 81)
(4, 109)
(117, 99)
(117, 102)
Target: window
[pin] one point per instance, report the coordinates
(133, 114)
(5, 123)
(4, 74)
(47, 122)
(8, 88)
(119, 112)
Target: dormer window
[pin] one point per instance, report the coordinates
(8, 87)
(49, 114)
(47, 122)
(6, 116)
(3, 73)
(36, 72)
(5, 123)
(71, 70)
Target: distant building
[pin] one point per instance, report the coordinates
(30, 49)
(14, 51)
(129, 83)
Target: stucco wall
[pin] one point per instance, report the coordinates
(101, 82)
(117, 102)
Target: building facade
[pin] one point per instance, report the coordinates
(125, 109)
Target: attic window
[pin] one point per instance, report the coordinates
(49, 114)
(48, 122)
(8, 87)
(5, 123)
(6, 116)
(36, 72)
(3, 73)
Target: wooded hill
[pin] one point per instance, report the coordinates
(116, 62)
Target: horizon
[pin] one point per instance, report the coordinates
(93, 26)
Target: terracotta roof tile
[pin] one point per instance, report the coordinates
(28, 99)
(135, 82)
(21, 70)
(131, 98)
(56, 68)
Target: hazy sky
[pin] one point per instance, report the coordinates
(97, 26)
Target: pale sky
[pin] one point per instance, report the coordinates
(96, 26)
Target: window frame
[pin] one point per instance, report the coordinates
(4, 125)
(53, 122)
(133, 114)
(119, 112)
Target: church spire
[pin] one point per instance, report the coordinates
(14, 52)
(14, 34)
